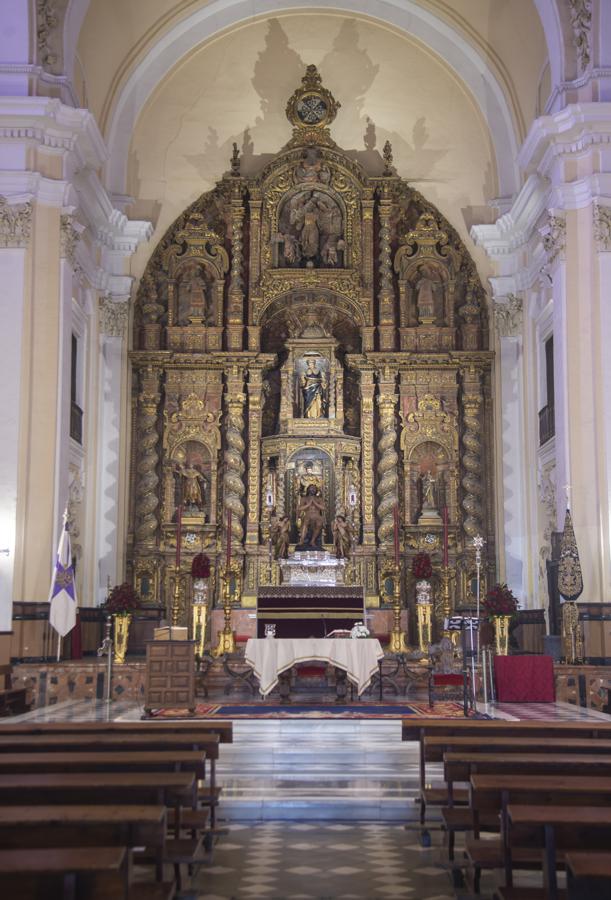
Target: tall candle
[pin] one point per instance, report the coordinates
(228, 538)
(396, 523)
(445, 536)
(178, 535)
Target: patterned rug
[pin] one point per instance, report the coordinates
(262, 710)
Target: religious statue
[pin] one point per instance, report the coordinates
(311, 518)
(280, 536)
(428, 491)
(309, 472)
(192, 481)
(310, 228)
(425, 292)
(342, 536)
(313, 388)
(194, 289)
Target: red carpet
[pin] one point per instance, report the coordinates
(264, 710)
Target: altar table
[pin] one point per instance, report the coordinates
(270, 657)
(524, 679)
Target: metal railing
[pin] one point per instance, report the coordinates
(76, 422)
(547, 425)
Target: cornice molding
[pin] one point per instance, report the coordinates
(573, 130)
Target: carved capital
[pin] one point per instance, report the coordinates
(69, 236)
(47, 21)
(602, 227)
(508, 316)
(114, 316)
(581, 23)
(554, 238)
(15, 223)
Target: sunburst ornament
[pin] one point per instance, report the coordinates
(312, 105)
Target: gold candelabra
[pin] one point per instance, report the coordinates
(175, 610)
(231, 579)
(398, 642)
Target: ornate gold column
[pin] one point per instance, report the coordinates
(255, 403)
(388, 474)
(254, 264)
(233, 478)
(235, 309)
(472, 450)
(386, 329)
(367, 436)
(147, 501)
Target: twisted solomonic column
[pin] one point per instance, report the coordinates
(233, 479)
(472, 455)
(388, 474)
(147, 501)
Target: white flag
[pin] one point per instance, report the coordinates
(62, 595)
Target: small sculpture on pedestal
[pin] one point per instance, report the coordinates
(280, 528)
(342, 536)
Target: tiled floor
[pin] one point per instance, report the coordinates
(320, 861)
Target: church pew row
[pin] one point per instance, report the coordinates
(224, 729)
(588, 875)
(58, 827)
(144, 740)
(484, 730)
(89, 873)
(488, 854)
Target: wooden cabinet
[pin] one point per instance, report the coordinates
(170, 675)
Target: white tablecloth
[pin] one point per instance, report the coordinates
(269, 657)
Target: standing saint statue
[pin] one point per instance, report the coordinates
(311, 518)
(425, 292)
(313, 388)
(192, 494)
(428, 491)
(342, 536)
(281, 538)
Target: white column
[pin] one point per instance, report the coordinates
(112, 442)
(602, 275)
(508, 321)
(12, 279)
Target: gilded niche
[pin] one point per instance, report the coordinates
(310, 348)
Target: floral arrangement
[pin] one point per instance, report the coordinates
(359, 630)
(200, 566)
(500, 601)
(421, 566)
(122, 600)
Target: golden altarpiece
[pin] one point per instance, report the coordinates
(312, 324)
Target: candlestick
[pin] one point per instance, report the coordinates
(396, 535)
(228, 539)
(445, 536)
(178, 536)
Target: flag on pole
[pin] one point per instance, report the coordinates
(62, 596)
(570, 580)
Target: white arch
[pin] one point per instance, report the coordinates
(404, 15)
(73, 22)
(550, 20)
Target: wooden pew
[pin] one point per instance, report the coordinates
(588, 876)
(224, 729)
(436, 795)
(88, 873)
(553, 828)
(106, 761)
(88, 826)
(13, 700)
(490, 796)
(144, 740)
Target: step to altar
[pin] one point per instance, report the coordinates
(314, 769)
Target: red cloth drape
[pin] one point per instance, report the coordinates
(524, 679)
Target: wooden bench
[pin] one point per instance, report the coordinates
(105, 761)
(89, 873)
(588, 876)
(224, 729)
(550, 829)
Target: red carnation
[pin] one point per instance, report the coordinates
(500, 601)
(421, 566)
(122, 599)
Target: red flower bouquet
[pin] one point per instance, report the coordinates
(500, 601)
(421, 566)
(200, 566)
(122, 599)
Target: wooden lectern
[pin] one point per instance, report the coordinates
(170, 676)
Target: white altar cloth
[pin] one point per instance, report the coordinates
(269, 657)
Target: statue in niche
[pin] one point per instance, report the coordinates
(314, 390)
(429, 500)
(192, 487)
(342, 536)
(193, 295)
(280, 528)
(310, 231)
(309, 472)
(425, 288)
(312, 168)
(310, 520)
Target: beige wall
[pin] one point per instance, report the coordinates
(236, 88)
